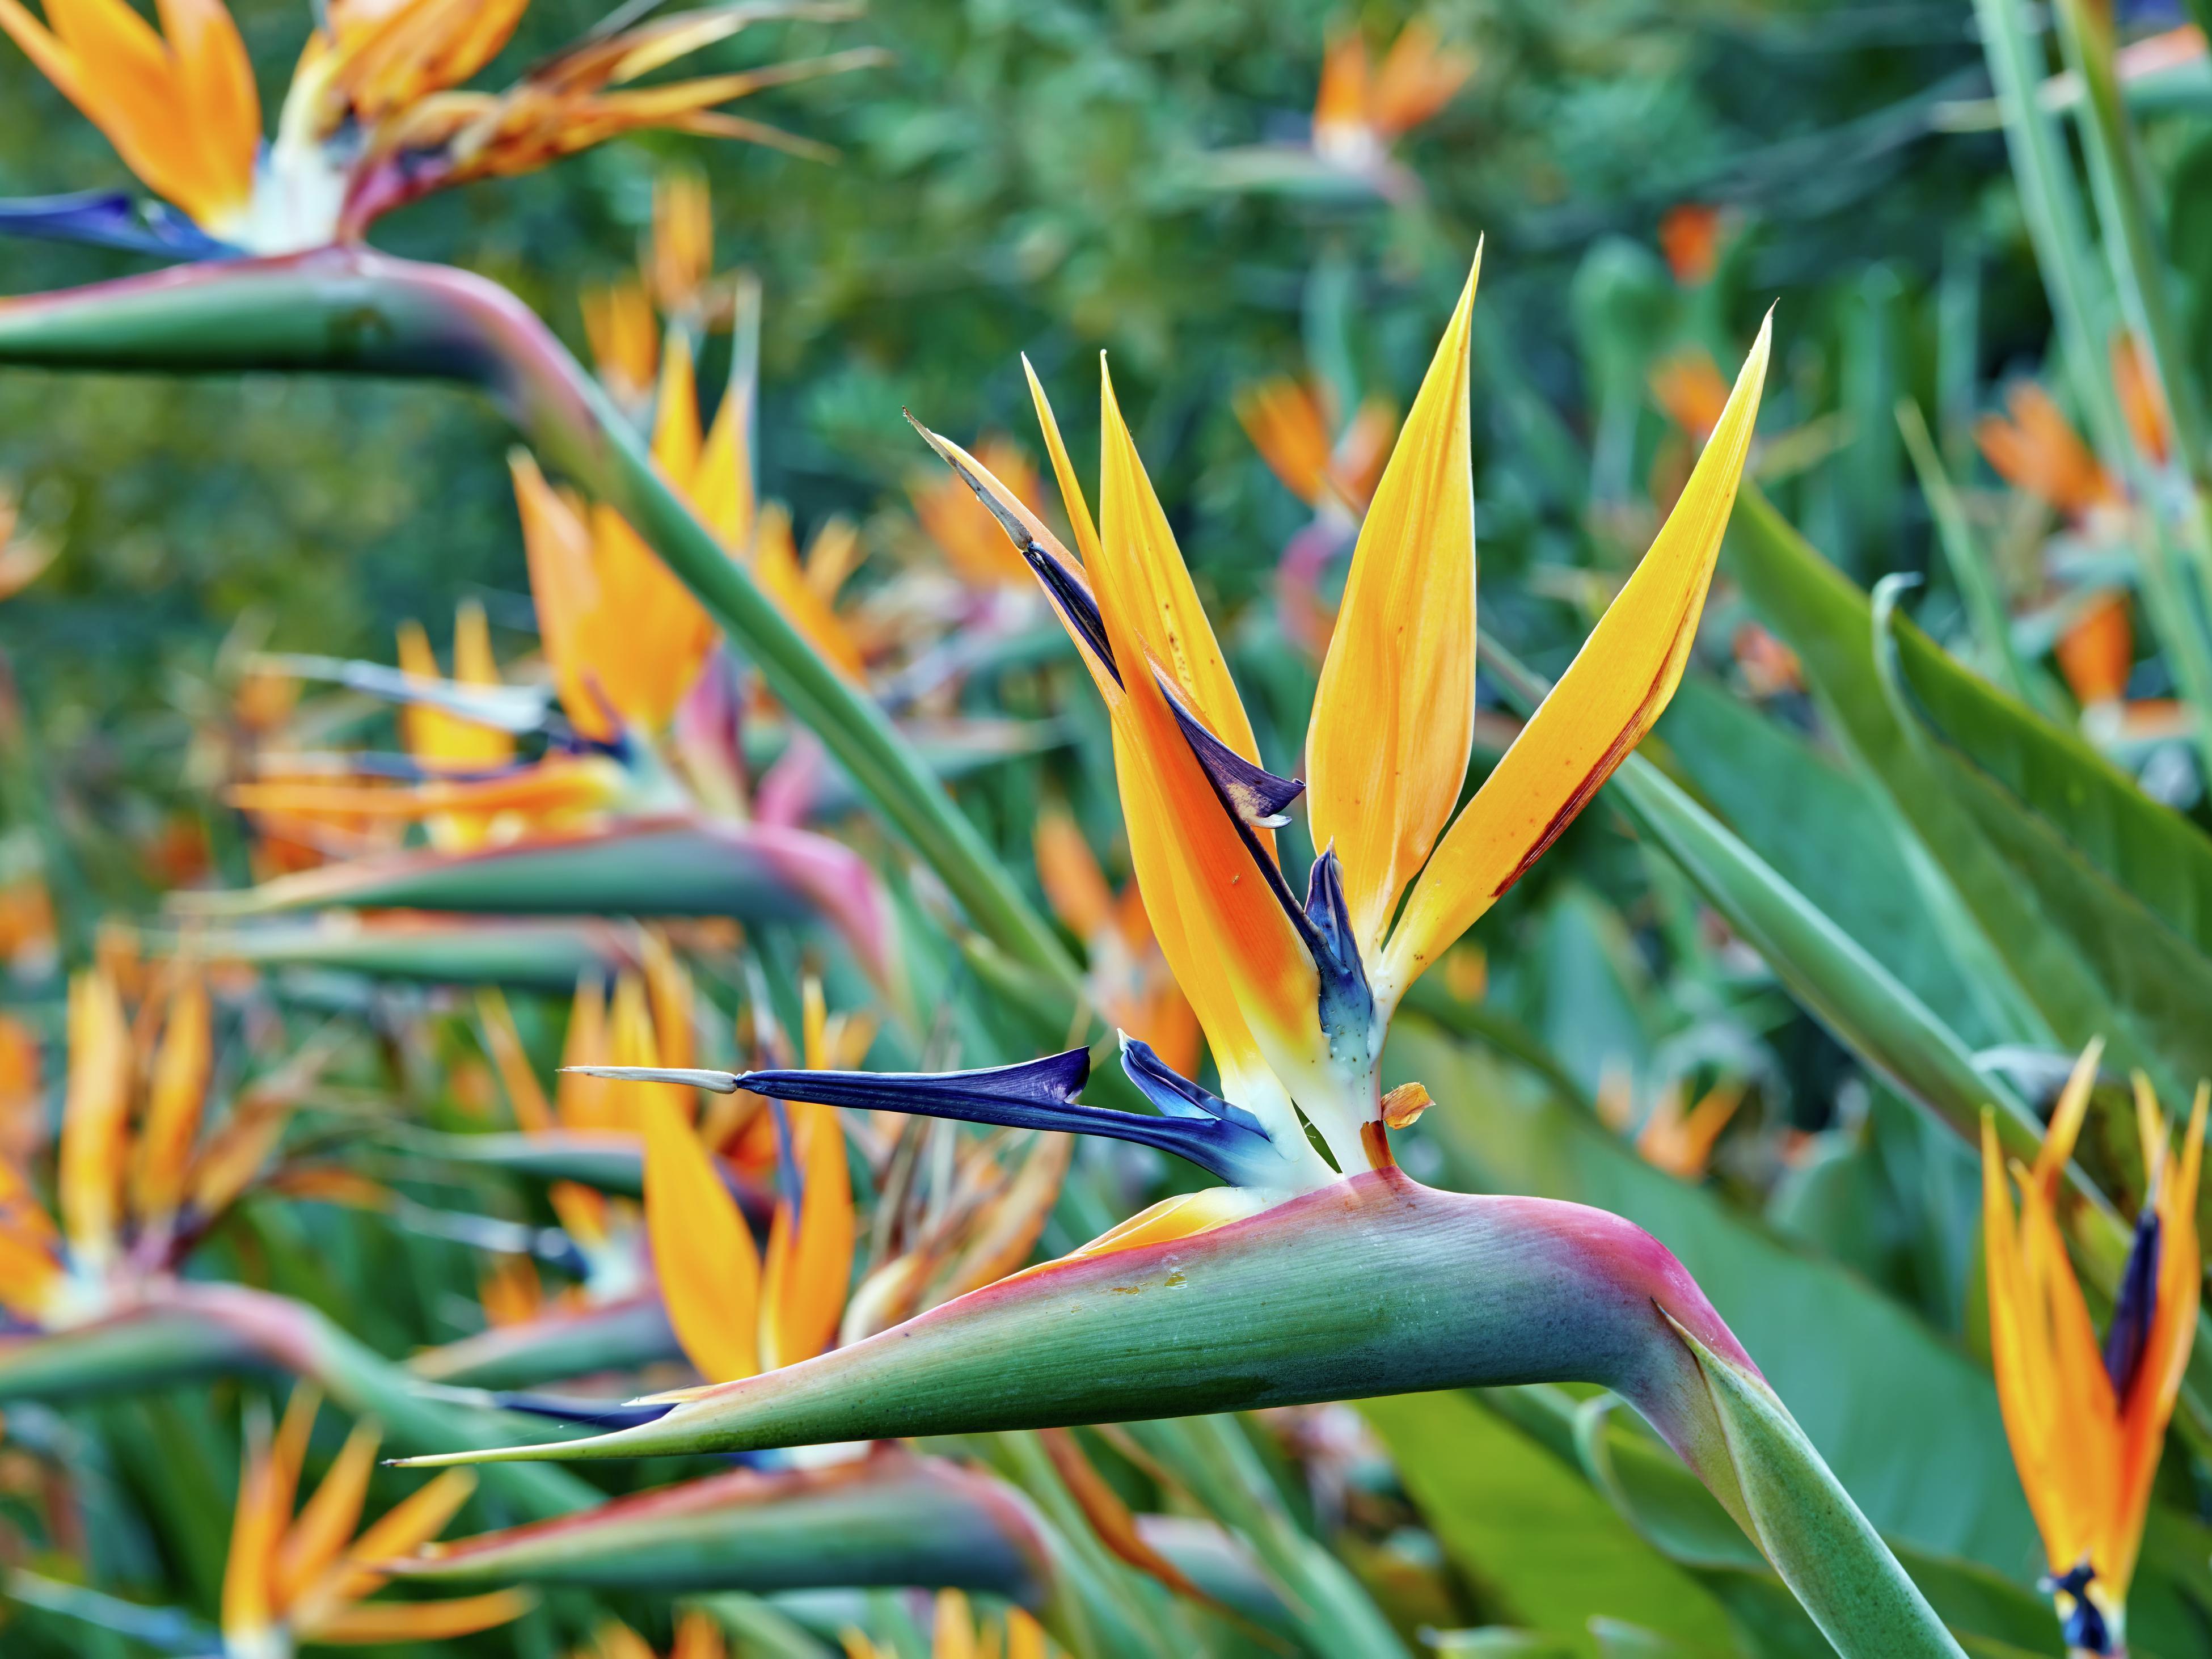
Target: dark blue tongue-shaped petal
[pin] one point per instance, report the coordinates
(1175, 1094)
(2132, 1314)
(111, 219)
(1070, 594)
(1255, 795)
(1036, 1094)
(1347, 1005)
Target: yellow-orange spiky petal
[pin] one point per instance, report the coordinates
(400, 1530)
(325, 1525)
(1616, 687)
(1393, 718)
(782, 577)
(702, 1256)
(174, 1103)
(1420, 74)
(624, 338)
(372, 1623)
(1221, 929)
(94, 1117)
(181, 110)
(1283, 419)
(1074, 885)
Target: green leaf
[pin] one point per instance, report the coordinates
(1828, 834)
(608, 1160)
(674, 866)
(550, 955)
(2095, 899)
(890, 1518)
(1554, 1552)
(614, 1336)
(1909, 1424)
(1811, 1531)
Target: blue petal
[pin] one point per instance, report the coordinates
(2135, 1310)
(112, 219)
(1254, 795)
(1036, 1094)
(1347, 1003)
(1175, 1094)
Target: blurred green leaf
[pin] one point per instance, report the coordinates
(1552, 1552)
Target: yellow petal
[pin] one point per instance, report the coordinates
(581, 1102)
(173, 1105)
(526, 1096)
(676, 439)
(777, 568)
(1163, 608)
(1616, 687)
(1063, 470)
(565, 589)
(378, 1622)
(1216, 920)
(94, 1117)
(249, 1605)
(702, 1256)
(319, 1537)
(698, 1637)
(809, 1268)
(952, 1634)
(403, 1529)
(1074, 885)
(2066, 1118)
(1393, 718)
(214, 80)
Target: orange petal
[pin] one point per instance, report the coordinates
(2097, 651)
(777, 568)
(1154, 586)
(377, 1622)
(173, 1105)
(1393, 718)
(698, 1637)
(1284, 420)
(581, 1102)
(1601, 708)
(403, 1529)
(94, 1117)
(1074, 885)
(1420, 76)
(565, 589)
(524, 1094)
(319, 1537)
(702, 1256)
(1219, 926)
(809, 1268)
(676, 436)
(249, 1605)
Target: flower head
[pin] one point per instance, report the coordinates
(1294, 994)
(2033, 448)
(1362, 109)
(306, 1578)
(129, 1202)
(374, 116)
(2088, 1421)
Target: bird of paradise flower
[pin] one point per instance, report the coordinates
(376, 115)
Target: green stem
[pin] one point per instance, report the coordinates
(352, 311)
